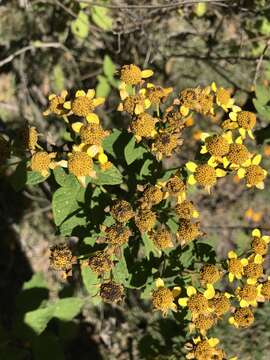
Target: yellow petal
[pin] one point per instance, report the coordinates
(138, 109)
(251, 281)
(244, 303)
(123, 94)
(77, 126)
(220, 173)
(195, 214)
(231, 277)
(122, 85)
(228, 136)
(236, 108)
(257, 159)
(244, 262)
(213, 342)
(214, 86)
(210, 292)
(176, 291)
(147, 103)
(256, 232)
(228, 295)
(64, 94)
(120, 107)
(159, 283)
(102, 158)
(250, 133)
(98, 101)
(82, 180)
(260, 186)
(196, 340)
(184, 110)
(258, 259)
(191, 291)
(239, 140)
(204, 136)
(212, 162)
(266, 238)
(242, 132)
(232, 255)
(146, 73)
(80, 93)
(183, 301)
(191, 166)
(203, 150)
(191, 180)
(150, 85)
(225, 162)
(92, 118)
(63, 163)
(51, 96)
(91, 93)
(231, 320)
(67, 105)
(93, 150)
(233, 116)
(241, 173)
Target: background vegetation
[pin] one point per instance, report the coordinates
(46, 46)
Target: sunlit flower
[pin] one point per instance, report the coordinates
(165, 143)
(133, 75)
(209, 274)
(143, 126)
(235, 266)
(157, 94)
(163, 298)
(253, 173)
(196, 99)
(134, 104)
(175, 187)
(259, 244)
(56, 104)
(42, 162)
(204, 174)
(221, 303)
(247, 295)
(223, 97)
(186, 210)
(237, 156)
(264, 290)
(84, 105)
(246, 121)
(162, 238)
(196, 302)
(216, 145)
(188, 231)
(254, 269)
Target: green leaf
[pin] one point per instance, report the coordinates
(36, 281)
(34, 178)
(90, 280)
(262, 94)
(58, 78)
(149, 246)
(133, 152)
(120, 272)
(80, 26)
(112, 176)
(66, 309)
(64, 179)
(19, 177)
(101, 18)
(75, 221)
(38, 319)
(103, 87)
(109, 141)
(173, 225)
(145, 169)
(108, 67)
(64, 202)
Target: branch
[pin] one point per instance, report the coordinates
(164, 6)
(34, 45)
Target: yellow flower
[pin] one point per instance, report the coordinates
(237, 156)
(254, 269)
(157, 94)
(175, 187)
(253, 173)
(186, 210)
(163, 298)
(264, 290)
(216, 145)
(133, 75)
(223, 97)
(235, 266)
(196, 99)
(56, 104)
(143, 126)
(84, 104)
(259, 245)
(42, 162)
(247, 295)
(197, 302)
(134, 104)
(204, 174)
(246, 121)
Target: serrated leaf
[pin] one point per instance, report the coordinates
(80, 26)
(38, 319)
(90, 280)
(64, 202)
(133, 152)
(108, 67)
(101, 18)
(103, 87)
(66, 309)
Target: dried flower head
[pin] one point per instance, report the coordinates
(56, 104)
(243, 317)
(29, 137)
(248, 293)
(175, 185)
(259, 246)
(134, 104)
(186, 210)
(157, 94)
(253, 270)
(246, 120)
(145, 220)
(204, 322)
(188, 231)
(209, 274)
(60, 257)
(162, 299)
(255, 175)
(100, 263)
(220, 304)
(165, 143)
(122, 211)
(111, 292)
(80, 164)
(117, 234)
(162, 238)
(265, 289)
(197, 304)
(152, 195)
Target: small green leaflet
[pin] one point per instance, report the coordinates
(133, 152)
(80, 26)
(149, 246)
(101, 18)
